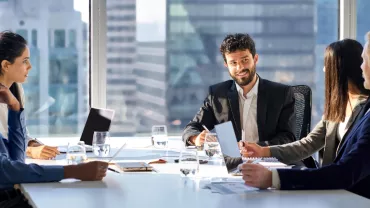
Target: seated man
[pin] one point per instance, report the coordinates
(260, 110)
(13, 170)
(350, 169)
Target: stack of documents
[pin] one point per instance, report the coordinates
(229, 187)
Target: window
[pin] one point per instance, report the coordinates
(56, 95)
(59, 38)
(34, 38)
(23, 33)
(363, 21)
(72, 38)
(176, 56)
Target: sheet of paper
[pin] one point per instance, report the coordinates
(227, 139)
(230, 188)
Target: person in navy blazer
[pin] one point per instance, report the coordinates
(350, 169)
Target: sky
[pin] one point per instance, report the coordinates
(146, 14)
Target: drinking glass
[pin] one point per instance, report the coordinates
(211, 145)
(101, 144)
(159, 136)
(76, 154)
(189, 161)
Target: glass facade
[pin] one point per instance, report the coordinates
(56, 99)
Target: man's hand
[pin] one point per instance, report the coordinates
(256, 175)
(249, 149)
(199, 140)
(39, 151)
(8, 98)
(91, 171)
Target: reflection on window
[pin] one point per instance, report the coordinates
(59, 38)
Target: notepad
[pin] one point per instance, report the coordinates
(134, 166)
(269, 162)
(263, 159)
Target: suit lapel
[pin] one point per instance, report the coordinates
(261, 107)
(356, 120)
(235, 111)
(350, 134)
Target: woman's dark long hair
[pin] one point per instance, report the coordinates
(12, 46)
(342, 68)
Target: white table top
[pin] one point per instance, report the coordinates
(168, 189)
(158, 190)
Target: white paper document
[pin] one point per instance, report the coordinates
(229, 188)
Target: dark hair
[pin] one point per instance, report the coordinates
(237, 41)
(342, 68)
(12, 46)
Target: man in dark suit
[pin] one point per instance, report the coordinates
(260, 110)
(350, 169)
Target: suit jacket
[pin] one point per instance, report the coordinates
(324, 135)
(350, 169)
(275, 112)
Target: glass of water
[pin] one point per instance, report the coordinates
(159, 136)
(76, 154)
(211, 145)
(101, 144)
(189, 161)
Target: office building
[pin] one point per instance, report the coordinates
(151, 85)
(55, 103)
(121, 58)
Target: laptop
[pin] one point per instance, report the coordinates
(99, 119)
(229, 147)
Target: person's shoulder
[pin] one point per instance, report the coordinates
(222, 86)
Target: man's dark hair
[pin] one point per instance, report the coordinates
(235, 42)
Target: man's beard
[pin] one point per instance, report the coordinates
(244, 80)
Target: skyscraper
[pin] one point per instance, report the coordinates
(55, 103)
(121, 57)
(151, 85)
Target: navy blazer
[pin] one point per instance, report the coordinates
(350, 169)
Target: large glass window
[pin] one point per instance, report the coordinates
(177, 53)
(363, 20)
(56, 95)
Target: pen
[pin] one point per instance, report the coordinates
(119, 150)
(111, 169)
(205, 128)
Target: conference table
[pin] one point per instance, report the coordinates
(165, 187)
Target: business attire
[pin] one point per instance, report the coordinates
(326, 135)
(350, 169)
(13, 170)
(264, 115)
(4, 115)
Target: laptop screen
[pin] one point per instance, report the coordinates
(98, 120)
(229, 145)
